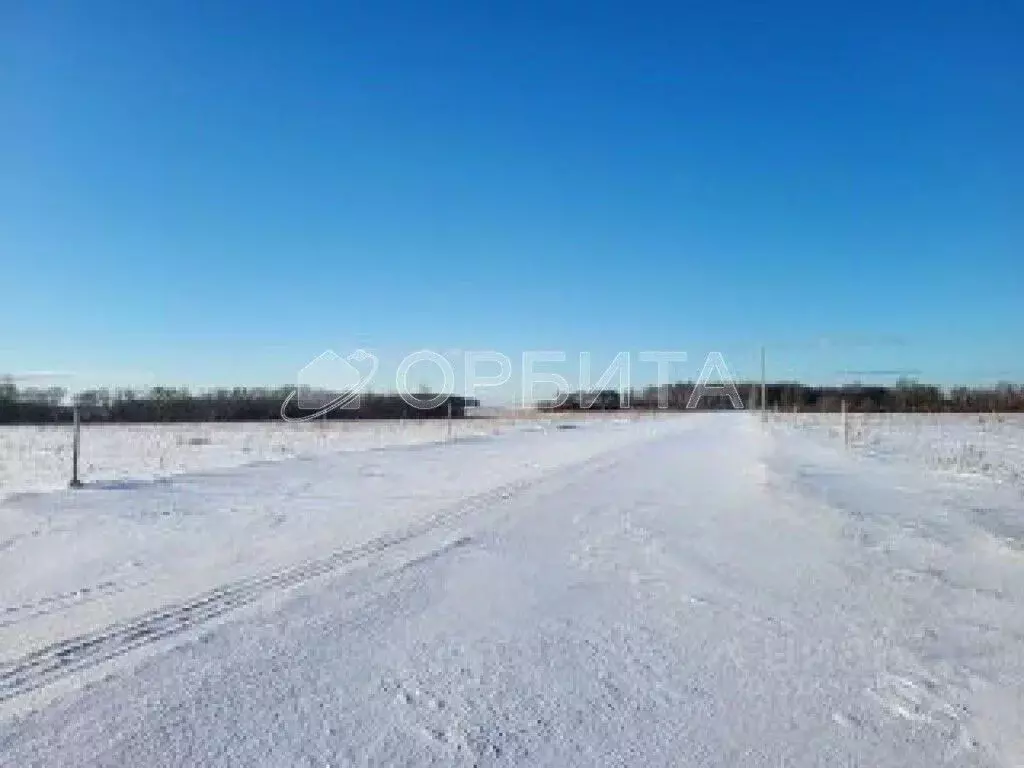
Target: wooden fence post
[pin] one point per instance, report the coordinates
(76, 442)
(846, 425)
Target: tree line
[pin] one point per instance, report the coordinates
(902, 397)
(34, 405)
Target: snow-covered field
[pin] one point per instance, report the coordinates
(989, 446)
(697, 590)
(38, 458)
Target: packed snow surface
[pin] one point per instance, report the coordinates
(695, 590)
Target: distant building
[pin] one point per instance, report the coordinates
(602, 400)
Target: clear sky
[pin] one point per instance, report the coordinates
(215, 192)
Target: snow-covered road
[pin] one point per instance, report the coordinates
(694, 591)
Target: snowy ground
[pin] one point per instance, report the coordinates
(698, 590)
(36, 459)
(985, 446)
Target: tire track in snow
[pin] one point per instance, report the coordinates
(11, 615)
(51, 663)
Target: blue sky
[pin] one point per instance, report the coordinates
(215, 192)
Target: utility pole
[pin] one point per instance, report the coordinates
(764, 400)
